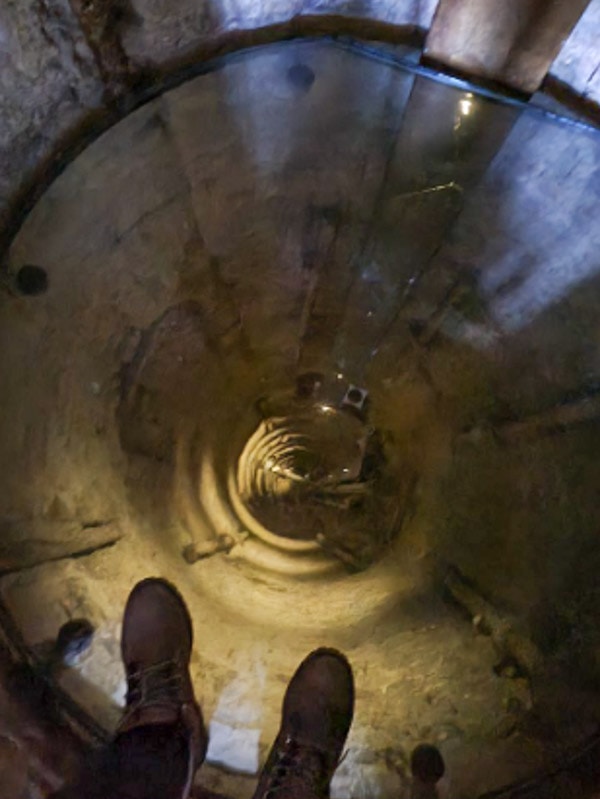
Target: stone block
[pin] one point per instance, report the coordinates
(48, 81)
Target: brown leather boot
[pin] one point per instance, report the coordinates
(156, 645)
(316, 716)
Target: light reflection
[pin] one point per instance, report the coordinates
(466, 104)
(464, 108)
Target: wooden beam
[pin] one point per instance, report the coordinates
(508, 640)
(512, 42)
(558, 419)
(27, 543)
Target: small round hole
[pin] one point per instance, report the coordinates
(427, 763)
(31, 280)
(355, 396)
(301, 77)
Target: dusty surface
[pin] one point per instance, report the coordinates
(223, 240)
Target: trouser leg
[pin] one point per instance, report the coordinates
(152, 762)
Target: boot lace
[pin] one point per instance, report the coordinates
(298, 769)
(160, 683)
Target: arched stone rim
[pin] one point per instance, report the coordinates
(147, 84)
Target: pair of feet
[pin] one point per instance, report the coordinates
(317, 711)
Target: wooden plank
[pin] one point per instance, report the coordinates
(513, 43)
(27, 543)
(508, 640)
